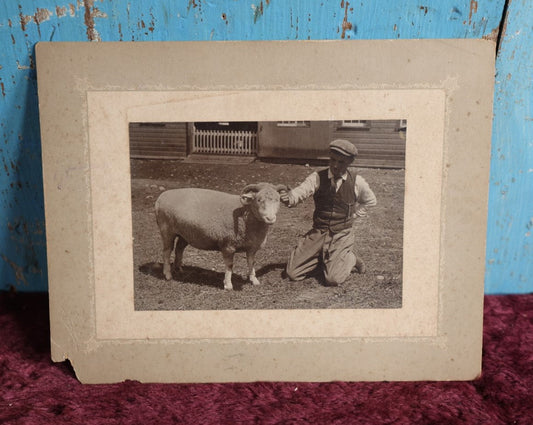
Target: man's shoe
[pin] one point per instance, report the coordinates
(359, 266)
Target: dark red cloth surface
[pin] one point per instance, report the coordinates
(33, 390)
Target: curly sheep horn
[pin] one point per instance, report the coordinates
(251, 188)
(281, 188)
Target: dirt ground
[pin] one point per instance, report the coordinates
(379, 239)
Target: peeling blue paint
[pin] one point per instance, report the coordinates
(509, 256)
(23, 23)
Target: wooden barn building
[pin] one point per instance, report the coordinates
(381, 143)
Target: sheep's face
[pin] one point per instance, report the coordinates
(264, 204)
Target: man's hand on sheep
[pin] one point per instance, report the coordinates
(284, 197)
(212, 220)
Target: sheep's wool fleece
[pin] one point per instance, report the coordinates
(202, 216)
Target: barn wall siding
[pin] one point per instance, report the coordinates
(24, 23)
(380, 144)
(303, 142)
(158, 140)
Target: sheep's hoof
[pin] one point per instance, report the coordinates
(254, 281)
(228, 286)
(167, 273)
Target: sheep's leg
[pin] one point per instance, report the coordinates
(250, 258)
(168, 245)
(228, 261)
(178, 253)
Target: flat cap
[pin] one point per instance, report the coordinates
(344, 147)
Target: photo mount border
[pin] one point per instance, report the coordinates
(110, 113)
(68, 71)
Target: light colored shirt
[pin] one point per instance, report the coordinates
(364, 195)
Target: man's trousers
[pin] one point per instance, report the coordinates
(331, 251)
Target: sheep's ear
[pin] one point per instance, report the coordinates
(247, 198)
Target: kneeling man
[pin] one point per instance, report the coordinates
(340, 197)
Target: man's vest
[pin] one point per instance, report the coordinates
(334, 211)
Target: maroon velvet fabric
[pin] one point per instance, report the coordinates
(33, 390)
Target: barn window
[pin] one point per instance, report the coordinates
(294, 123)
(355, 124)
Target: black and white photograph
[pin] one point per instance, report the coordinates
(266, 220)
(268, 214)
(272, 222)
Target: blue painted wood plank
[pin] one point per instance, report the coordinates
(510, 222)
(25, 22)
(106, 20)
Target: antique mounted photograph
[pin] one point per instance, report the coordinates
(298, 215)
(188, 180)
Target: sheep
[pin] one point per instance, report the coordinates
(217, 221)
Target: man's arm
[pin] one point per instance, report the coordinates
(303, 191)
(365, 197)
